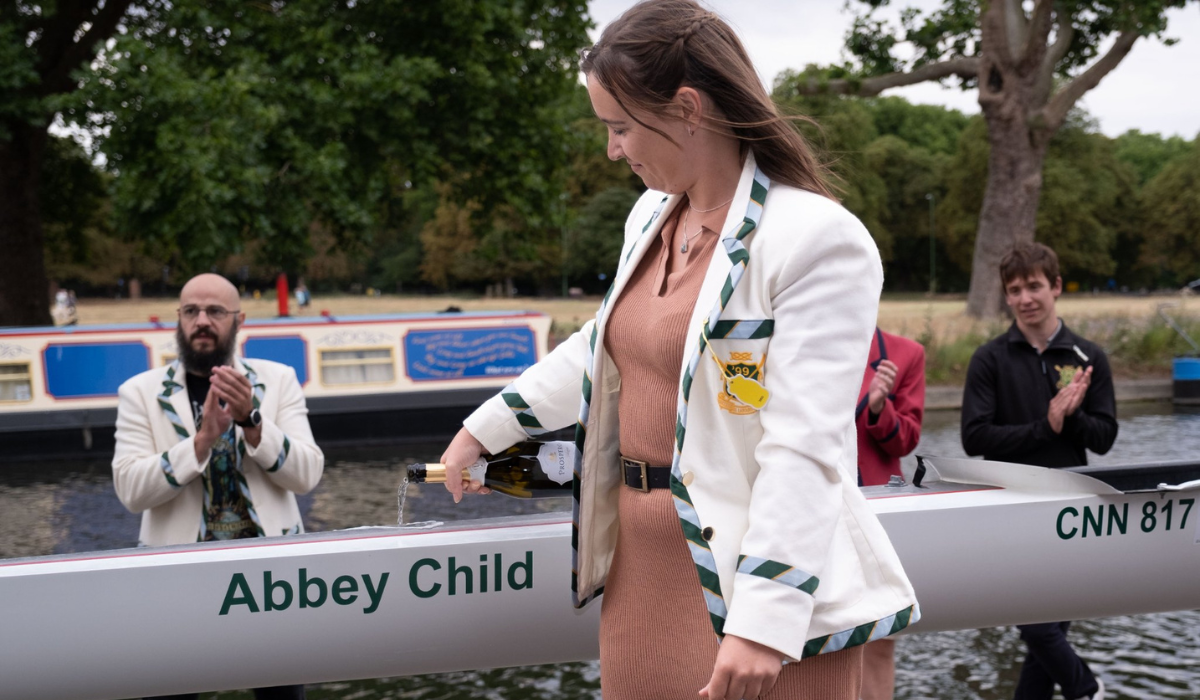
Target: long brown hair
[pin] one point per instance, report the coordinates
(659, 46)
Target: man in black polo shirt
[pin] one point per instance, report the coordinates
(1041, 395)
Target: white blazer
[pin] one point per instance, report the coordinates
(786, 549)
(155, 471)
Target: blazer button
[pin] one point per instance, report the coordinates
(688, 477)
(707, 534)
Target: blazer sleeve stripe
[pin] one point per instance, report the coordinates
(283, 454)
(522, 411)
(776, 571)
(164, 463)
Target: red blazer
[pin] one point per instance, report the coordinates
(884, 439)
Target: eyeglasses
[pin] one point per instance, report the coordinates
(191, 312)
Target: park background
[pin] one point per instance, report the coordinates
(445, 154)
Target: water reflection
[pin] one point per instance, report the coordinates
(50, 508)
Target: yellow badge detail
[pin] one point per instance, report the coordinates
(1065, 375)
(742, 393)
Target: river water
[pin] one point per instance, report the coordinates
(51, 508)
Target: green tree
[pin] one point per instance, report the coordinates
(1149, 153)
(225, 122)
(887, 156)
(594, 241)
(250, 122)
(1031, 63)
(1171, 232)
(1088, 203)
(41, 46)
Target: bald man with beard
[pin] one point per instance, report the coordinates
(214, 446)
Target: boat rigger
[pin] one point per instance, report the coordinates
(975, 537)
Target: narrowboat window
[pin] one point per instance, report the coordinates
(15, 384)
(361, 366)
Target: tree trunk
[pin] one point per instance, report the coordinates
(24, 289)
(1009, 214)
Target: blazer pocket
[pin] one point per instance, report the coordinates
(742, 329)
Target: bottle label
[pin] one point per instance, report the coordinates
(557, 460)
(477, 470)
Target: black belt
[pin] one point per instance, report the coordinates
(643, 476)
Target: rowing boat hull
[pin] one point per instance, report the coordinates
(985, 544)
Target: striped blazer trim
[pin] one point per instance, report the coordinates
(778, 572)
(581, 427)
(867, 632)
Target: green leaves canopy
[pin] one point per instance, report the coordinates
(230, 122)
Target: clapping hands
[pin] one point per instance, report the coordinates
(1069, 399)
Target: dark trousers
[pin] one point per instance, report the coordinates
(279, 692)
(1051, 661)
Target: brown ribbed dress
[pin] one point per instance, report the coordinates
(656, 641)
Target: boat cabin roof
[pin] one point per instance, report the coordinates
(277, 322)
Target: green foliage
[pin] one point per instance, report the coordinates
(229, 122)
(1088, 201)
(1171, 233)
(1148, 154)
(888, 155)
(953, 30)
(947, 359)
(594, 241)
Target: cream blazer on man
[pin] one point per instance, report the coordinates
(786, 549)
(155, 470)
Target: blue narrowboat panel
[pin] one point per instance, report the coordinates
(287, 349)
(469, 353)
(86, 370)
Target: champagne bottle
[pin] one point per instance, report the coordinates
(526, 470)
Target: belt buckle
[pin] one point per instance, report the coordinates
(645, 487)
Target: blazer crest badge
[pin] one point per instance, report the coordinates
(742, 392)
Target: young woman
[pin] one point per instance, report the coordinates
(716, 503)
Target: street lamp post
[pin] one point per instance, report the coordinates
(562, 231)
(932, 258)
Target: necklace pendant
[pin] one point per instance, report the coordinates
(683, 248)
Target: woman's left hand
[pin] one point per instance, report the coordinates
(744, 669)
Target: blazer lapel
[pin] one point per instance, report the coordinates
(174, 403)
(720, 263)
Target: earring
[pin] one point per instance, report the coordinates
(691, 131)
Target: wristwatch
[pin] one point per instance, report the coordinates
(252, 421)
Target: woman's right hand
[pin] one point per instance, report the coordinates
(464, 450)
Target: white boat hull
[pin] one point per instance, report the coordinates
(1039, 546)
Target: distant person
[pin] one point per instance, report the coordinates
(214, 446)
(63, 312)
(891, 404)
(1041, 395)
(303, 297)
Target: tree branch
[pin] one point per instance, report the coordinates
(57, 78)
(1056, 52)
(1037, 35)
(965, 67)
(1016, 27)
(1055, 112)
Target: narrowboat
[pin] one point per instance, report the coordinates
(984, 543)
(365, 378)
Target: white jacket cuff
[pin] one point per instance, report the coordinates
(495, 425)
